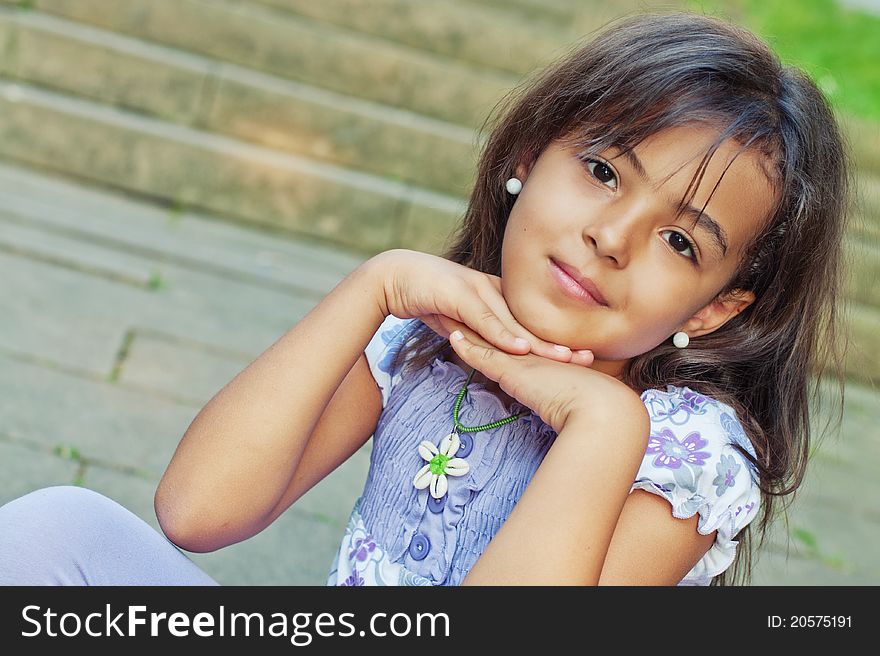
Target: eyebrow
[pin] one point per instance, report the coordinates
(703, 220)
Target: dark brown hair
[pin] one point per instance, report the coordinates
(649, 72)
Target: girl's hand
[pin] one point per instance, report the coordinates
(556, 391)
(448, 296)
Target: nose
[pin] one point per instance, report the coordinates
(612, 232)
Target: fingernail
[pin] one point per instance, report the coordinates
(456, 335)
(521, 342)
(563, 349)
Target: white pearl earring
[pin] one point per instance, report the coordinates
(681, 339)
(513, 186)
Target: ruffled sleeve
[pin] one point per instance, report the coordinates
(691, 462)
(383, 347)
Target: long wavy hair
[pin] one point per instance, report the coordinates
(649, 72)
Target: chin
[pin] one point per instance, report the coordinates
(542, 320)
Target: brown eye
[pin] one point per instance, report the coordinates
(602, 172)
(680, 243)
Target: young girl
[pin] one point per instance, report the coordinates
(642, 288)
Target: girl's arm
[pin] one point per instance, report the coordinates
(231, 471)
(309, 401)
(650, 546)
(560, 530)
(576, 524)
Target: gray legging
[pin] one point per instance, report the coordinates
(70, 535)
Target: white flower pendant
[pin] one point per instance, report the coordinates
(440, 465)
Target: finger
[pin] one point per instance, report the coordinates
(484, 357)
(484, 320)
(498, 308)
(448, 324)
(443, 326)
(510, 335)
(451, 325)
(474, 337)
(437, 323)
(550, 350)
(582, 357)
(562, 354)
(498, 304)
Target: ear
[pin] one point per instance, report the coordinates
(718, 312)
(522, 170)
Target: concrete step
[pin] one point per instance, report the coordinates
(866, 206)
(195, 169)
(563, 13)
(483, 35)
(861, 261)
(863, 137)
(863, 269)
(863, 357)
(322, 53)
(219, 97)
(834, 513)
(863, 256)
(80, 228)
(305, 50)
(62, 334)
(272, 111)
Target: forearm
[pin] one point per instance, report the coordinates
(560, 530)
(240, 452)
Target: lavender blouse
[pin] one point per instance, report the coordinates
(400, 535)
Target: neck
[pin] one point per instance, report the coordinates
(613, 368)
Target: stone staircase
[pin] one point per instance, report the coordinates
(350, 123)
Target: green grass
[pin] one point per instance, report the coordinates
(811, 544)
(155, 281)
(838, 46)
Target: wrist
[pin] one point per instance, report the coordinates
(376, 272)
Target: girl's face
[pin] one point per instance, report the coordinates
(610, 218)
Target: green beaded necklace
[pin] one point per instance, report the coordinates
(474, 429)
(442, 460)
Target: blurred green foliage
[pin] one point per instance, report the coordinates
(837, 43)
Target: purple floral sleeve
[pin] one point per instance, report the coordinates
(691, 462)
(381, 350)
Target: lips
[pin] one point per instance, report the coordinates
(588, 285)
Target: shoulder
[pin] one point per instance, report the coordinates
(683, 407)
(382, 349)
(692, 461)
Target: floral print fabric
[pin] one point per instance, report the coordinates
(361, 561)
(690, 461)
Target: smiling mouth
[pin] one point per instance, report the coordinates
(586, 292)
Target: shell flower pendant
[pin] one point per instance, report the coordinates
(440, 465)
